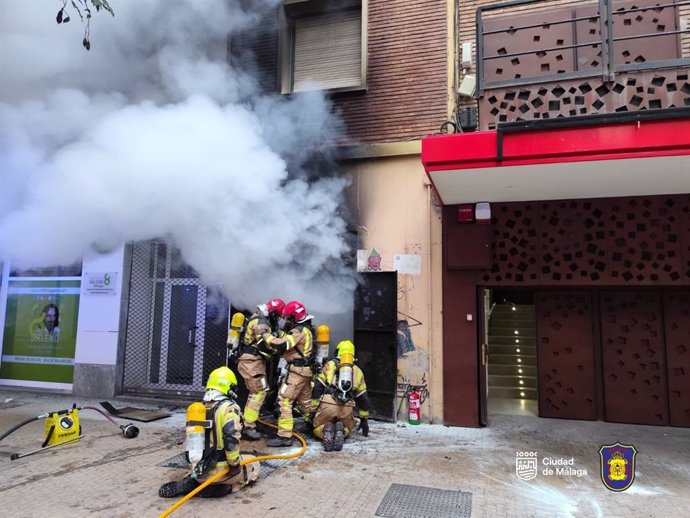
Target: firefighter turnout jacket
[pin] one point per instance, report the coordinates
(223, 441)
(334, 404)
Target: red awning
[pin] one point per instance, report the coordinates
(643, 157)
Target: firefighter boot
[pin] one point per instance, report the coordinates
(279, 441)
(328, 435)
(179, 488)
(339, 438)
(251, 434)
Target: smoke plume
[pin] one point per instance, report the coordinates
(152, 134)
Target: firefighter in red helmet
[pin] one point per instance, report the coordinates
(297, 348)
(251, 363)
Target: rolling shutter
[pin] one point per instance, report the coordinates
(328, 51)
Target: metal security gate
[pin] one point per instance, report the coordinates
(375, 322)
(176, 326)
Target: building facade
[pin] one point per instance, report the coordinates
(579, 146)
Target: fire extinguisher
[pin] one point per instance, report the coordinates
(414, 406)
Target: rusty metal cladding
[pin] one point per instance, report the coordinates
(566, 355)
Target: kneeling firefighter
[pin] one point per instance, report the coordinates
(213, 442)
(338, 388)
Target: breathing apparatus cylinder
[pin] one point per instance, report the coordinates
(345, 372)
(323, 334)
(195, 432)
(236, 327)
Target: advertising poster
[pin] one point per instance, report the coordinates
(40, 332)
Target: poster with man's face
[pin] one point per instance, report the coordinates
(40, 332)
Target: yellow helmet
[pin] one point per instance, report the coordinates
(222, 379)
(346, 347)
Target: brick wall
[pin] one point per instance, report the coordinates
(407, 74)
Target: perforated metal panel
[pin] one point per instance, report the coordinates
(406, 501)
(176, 326)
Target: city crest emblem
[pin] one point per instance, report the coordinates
(617, 463)
(526, 465)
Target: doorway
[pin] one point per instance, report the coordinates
(176, 326)
(509, 353)
(375, 337)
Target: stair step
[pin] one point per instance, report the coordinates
(505, 309)
(512, 393)
(511, 359)
(511, 381)
(512, 370)
(528, 332)
(527, 350)
(510, 340)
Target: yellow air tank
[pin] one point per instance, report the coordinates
(236, 327)
(195, 432)
(345, 372)
(323, 336)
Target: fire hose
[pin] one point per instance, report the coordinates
(220, 475)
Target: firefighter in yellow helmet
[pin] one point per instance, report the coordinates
(221, 443)
(297, 348)
(338, 388)
(252, 362)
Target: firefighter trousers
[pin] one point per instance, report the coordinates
(252, 368)
(331, 411)
(295, 389)
(248, 473)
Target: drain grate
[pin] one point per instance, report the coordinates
(406, 501)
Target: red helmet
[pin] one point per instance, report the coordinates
(275, 306)
(295, 310)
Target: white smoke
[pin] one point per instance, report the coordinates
(152, 134)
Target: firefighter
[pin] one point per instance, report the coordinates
(337, 389)
(221, 444)
(297, 348)
(252, 361)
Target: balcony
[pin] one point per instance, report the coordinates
(540, 60)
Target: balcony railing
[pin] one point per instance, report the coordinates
(523, 42)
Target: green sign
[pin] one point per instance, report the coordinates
(40, 330)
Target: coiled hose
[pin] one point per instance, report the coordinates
(209, 481)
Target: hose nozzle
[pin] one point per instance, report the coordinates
(129, 430)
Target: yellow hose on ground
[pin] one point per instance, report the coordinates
(215, 477)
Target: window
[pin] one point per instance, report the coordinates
(323, 45)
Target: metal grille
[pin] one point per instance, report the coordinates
(176, 326)
(405, 501)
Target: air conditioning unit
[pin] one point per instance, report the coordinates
(468, 118)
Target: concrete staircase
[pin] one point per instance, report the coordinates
(512, 352)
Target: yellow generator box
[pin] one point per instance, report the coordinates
(61, 427)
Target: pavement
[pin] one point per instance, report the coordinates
(106, 475)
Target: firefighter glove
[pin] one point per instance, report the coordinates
(364, 426)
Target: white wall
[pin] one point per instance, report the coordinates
(99, 313)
